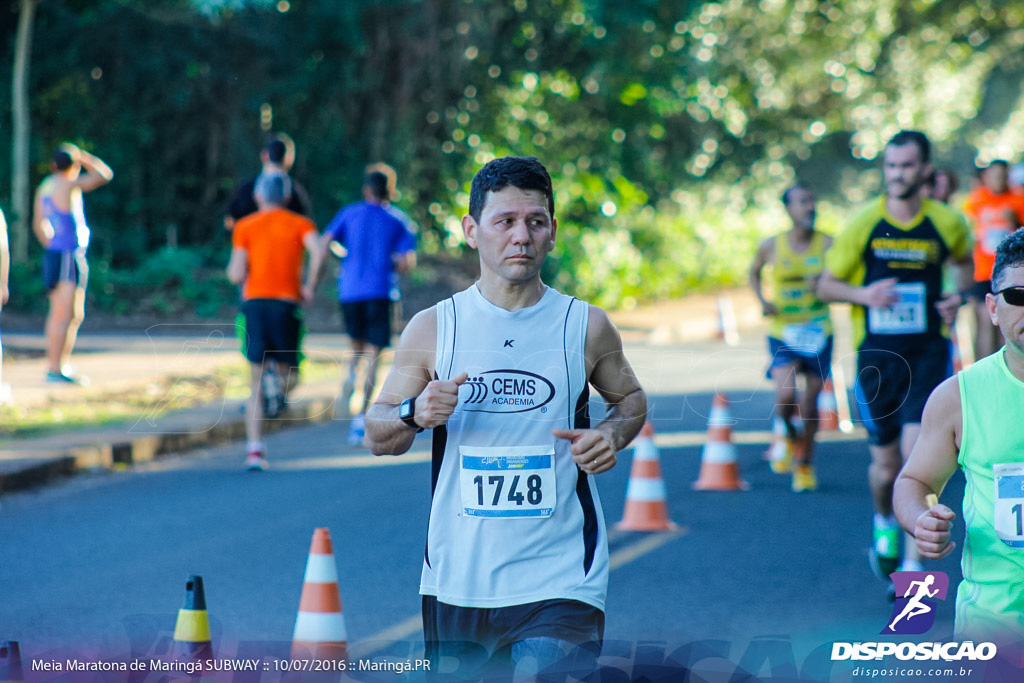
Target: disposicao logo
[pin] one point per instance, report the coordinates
(917, 595)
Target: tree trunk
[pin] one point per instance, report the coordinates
(20, 117)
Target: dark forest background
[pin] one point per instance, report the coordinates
(670, 127)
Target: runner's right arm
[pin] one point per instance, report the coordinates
(41, 227)
(412, 376)
(931, 464)
(764, 255)
(99, 174)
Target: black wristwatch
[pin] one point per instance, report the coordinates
(407, 413)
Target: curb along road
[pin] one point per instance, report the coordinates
(128, 362)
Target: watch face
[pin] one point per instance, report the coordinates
(405, 409)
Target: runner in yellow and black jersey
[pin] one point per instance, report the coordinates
(888, 262)
(800, 335)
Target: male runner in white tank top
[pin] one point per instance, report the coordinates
(516, 566)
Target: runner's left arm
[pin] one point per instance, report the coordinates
(311, 241)
(595, 449)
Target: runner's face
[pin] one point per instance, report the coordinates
(801, 208)
(996, 178)
(514, 234)
(904, 171)
(1010, 319)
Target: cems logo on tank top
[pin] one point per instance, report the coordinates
(507, 391)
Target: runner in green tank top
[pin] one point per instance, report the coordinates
(800, 334)
(972, 421)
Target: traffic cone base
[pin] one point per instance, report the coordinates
(646, 508)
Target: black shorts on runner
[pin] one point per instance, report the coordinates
(272, 331)
(892, 388)
(480, 639)
(64, 266)
(368, 321)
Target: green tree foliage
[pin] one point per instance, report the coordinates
(670, 127)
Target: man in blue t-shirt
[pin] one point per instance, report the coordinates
(376, 245)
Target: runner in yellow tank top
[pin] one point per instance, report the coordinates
(800, 335)
(962, 425)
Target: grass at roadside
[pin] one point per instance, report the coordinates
(148, 401)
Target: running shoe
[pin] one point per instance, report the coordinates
(782, 456)
(804, 479)
(60, 378)
(357, 430)
(885, 553)
(256, 462)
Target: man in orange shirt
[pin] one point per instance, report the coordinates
(994, 212)
(267, 257)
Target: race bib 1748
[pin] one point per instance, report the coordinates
(507, 482)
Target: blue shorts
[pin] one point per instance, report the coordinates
(481, 639)
(892, 388)
(64, 266)
(819, 365)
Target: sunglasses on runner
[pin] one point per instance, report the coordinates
(1012, 295)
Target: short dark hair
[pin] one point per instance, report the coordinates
(279, 147)
(913, 137)
(525, 173)
(378, 184)
(1009, 254)
(999, 162)
(62, 160)
(789, 191)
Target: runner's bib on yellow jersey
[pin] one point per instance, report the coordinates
(802, 321)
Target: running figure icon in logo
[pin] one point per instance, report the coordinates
(919, 592)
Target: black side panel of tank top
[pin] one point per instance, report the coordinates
(439, 441)
(583, 493)
(877, 269)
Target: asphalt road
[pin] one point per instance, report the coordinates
(96, 566)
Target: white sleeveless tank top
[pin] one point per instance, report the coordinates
(513, 520)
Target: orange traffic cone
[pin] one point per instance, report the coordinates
(718, 468)
(646, 509)
(320, 625)
(10, 662)
(192, 629)
(828, 409)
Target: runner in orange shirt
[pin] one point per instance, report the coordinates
(267, 257)
(994, 212)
